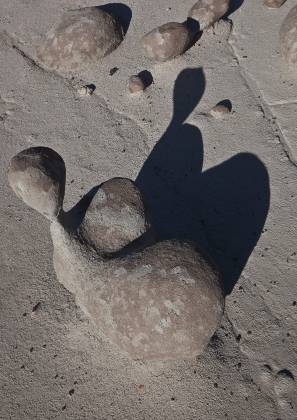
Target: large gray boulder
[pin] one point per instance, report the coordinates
(153, 301)
(82, 37)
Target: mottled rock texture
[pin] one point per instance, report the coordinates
(37, 175)
(82, 37)
(162, 301)
(207, 12)
(274, 4)
(167, 41)
(288, 37)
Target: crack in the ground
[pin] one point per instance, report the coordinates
(252, 86)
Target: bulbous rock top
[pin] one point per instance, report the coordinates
(37, 176)
(207, 12)
(83, 36)
(167, 41)
(288, 37)
(116, 216)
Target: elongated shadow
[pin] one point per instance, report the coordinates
(223, 209)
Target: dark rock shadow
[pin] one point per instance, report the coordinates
(223, 209)
(120, 11)
(234, 5)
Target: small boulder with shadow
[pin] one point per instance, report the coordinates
(82, 37)
(152, 300)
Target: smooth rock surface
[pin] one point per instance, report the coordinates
(37, 176)
(288, 37)
(82, 37)
(167, 41)
(207, 12)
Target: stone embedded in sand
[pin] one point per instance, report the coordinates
(274, 4)
(86, 90)
(219, 111)
(158, 302)
(136, 84)
(37, 176)
(207, 12)
(82, 37)
(167, 41)
(116, 216)
(288, 37)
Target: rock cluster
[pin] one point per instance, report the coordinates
(82, 37)
(158, 301)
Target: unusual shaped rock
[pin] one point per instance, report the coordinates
(207, 12)
(274, 4)
(167, 41)
(162, 301)
(82, 37)
(288, 37)
(37, 176)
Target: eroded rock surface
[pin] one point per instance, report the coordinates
(288, 37)
(37, 176)
(82, 37)
(207, 12)
(167, 41)
(163, 301)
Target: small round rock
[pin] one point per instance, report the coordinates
(288, 37)
(136, 84)
(219, 111)
(37, 175)
(86, 90)
(274, 4)
(167, 41)
(207, 12)
(82, 37)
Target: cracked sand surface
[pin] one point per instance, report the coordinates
(249, 369)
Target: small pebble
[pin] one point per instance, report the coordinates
(207, 12)
(86, 90)
(167, 41)
(219, 111)
(136, 85)
(274, 4)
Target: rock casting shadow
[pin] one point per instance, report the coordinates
(223, 209)
(234, 5)
(121, 11)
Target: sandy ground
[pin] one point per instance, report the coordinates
(230, 185)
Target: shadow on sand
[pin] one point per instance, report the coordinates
(223, 209)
